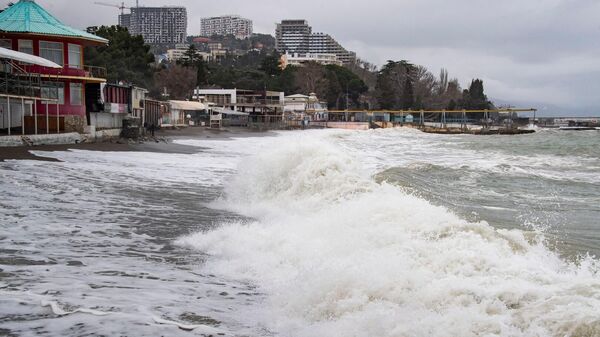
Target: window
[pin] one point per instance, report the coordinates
(5, 67)
(52, 51)
(54, 90)
(6, 44)
(76, 93)
(74, 56)
(26, 46)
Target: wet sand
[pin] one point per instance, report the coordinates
(163, 143)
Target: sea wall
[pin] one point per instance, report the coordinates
(34, 140)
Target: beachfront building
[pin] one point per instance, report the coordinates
(296, 36)
(265, 103)
(309, 107)
(159, 26)
(226, 25)
(296, 59)
(182, 112)
(28, 28)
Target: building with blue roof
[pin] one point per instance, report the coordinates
(28, 28)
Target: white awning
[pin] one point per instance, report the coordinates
(187, 105)
(26, 58)
(230, 112)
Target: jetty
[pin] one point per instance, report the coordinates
(477, 122)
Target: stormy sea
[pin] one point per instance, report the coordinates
(310, 233)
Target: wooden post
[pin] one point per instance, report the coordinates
(464, 120)
(486, 116)
(443, 118)
(35, 122)
(47, 120)
(422, 118)
(9, 116)
(57, 119)
(22, 116)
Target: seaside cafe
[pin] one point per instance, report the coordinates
(38, 97)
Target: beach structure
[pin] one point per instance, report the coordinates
(432, 121)
(305, 107)
(153, 112)
(253, 102)
(43, 98)
(110, 107)
(182, 112)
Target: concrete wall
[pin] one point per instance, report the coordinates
(103, 120)
(348, 125)
(64, 138)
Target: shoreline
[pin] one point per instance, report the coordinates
(162, 144)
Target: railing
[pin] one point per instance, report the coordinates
(28, 85)
(96, 72)
(70, 70)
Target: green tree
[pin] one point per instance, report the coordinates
(126, 57)
(474, 98)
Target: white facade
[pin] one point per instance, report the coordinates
(157, 25)
(174, 55)
(303, 106)
(226, 25)
(297, 59)
(296, 36)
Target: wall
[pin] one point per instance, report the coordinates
(103, 120)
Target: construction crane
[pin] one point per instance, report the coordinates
(122, 6)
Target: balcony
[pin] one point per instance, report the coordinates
(27, 85)
(70, 70)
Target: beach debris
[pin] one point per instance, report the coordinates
(26, 140)
(57, 310)
(203, 329)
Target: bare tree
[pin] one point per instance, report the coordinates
(178, 80)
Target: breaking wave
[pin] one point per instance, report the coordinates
(339, 254)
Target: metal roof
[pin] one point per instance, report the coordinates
(26, 16)
(187, 105)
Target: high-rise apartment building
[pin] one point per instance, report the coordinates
(321, 43)
(226, 25)
(157, 25)
(292, 36)
(296, 36)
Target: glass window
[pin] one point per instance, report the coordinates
(74, 56)
(54, 90)
(5, 67)
(76, 93)
(26, 46)
(52, 51)
(6, 43)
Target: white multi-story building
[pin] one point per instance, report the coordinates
(297, 59)
(157, 25)
(296, 36)
(226, 25)
(177, 54)
(293, 36)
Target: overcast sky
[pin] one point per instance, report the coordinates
(545, 51)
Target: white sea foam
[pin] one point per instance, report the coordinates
(338, 254)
